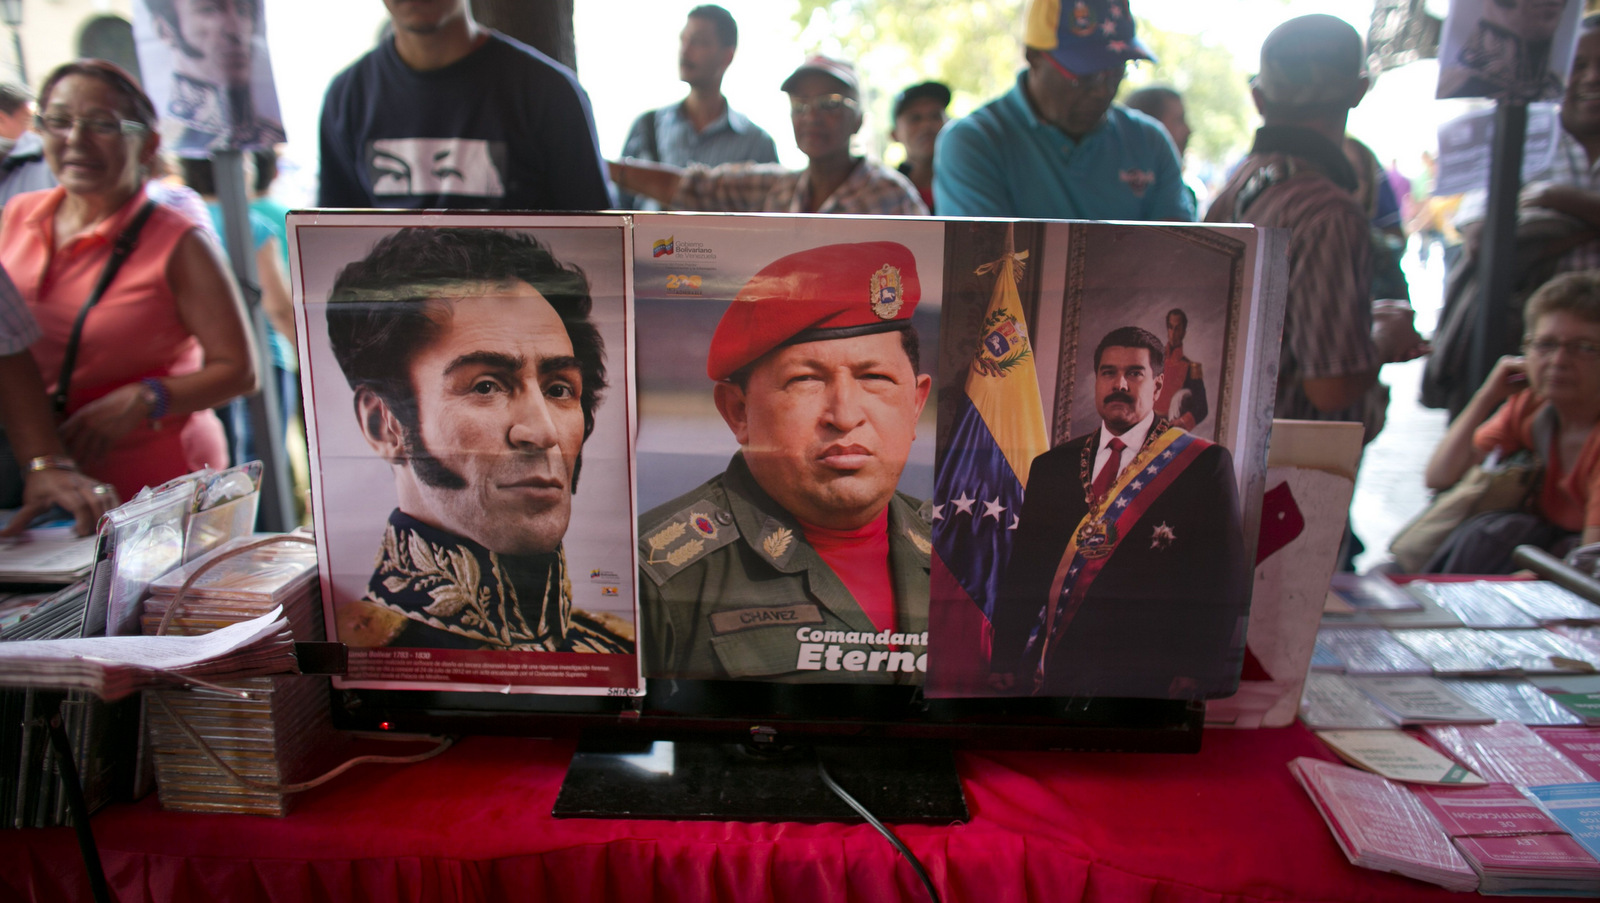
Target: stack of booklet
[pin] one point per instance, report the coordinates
(1380, 825)
(1515, 847)
(270, 730)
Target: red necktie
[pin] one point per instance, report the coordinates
(1108, 473)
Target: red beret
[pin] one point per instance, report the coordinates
(831, 292)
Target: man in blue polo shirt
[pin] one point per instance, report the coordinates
(1055, 146)
(701, 128)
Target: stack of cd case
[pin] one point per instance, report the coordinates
(99, 733)
(272, 730)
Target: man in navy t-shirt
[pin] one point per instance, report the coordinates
(448, 113)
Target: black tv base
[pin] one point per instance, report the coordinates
(759, 781)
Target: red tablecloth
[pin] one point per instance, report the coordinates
(1228, 824)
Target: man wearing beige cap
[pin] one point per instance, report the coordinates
(825, 109)
(801, 562)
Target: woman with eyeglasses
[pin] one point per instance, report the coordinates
(1547, 401)
(166, 341)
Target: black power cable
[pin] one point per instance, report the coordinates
(916, 864)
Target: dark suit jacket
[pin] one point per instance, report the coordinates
(1161, 620)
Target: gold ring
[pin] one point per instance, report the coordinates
(101, 489)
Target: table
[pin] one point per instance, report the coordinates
(1227, 824)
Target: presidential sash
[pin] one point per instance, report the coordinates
(1109, 519)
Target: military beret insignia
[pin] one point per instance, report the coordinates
(886, 300)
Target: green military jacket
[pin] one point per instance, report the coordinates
(729, 588)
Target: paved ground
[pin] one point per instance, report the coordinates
(1389, 489)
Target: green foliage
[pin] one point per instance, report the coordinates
(976, 48)
(1216, 92)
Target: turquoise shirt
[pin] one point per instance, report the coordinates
(283, 356)
(1004, 160)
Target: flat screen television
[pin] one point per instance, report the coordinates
(682, 591)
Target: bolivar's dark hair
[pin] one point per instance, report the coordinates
(1134, 337)
(378, 309)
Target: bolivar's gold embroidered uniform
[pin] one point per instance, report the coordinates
(729, 588)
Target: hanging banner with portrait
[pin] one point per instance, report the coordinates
(205, 66)
(468, 391)
(1515, 50)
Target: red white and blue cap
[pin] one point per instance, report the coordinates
(831, 292)
(1084, 36)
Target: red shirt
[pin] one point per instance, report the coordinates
(860, 559)
(1570, 498)
(134, 332)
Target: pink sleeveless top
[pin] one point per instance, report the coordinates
(134, 332)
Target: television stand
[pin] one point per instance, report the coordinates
(897, 781)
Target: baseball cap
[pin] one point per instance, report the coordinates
(827, 65)
(1084, 36)
(937, 90)
(831, 292)
(1312, 60)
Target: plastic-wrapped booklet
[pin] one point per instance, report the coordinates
(1380, 825)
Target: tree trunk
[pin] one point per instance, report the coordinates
(546, 25)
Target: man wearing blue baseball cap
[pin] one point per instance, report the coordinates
(1055, 146)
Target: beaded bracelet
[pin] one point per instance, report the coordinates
(159, 396)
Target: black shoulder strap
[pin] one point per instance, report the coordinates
(119, 253)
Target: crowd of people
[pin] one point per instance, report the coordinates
(446, 113)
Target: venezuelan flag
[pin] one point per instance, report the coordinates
(978, 487)
(661, 246)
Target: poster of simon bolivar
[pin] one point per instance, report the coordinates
(468, 392)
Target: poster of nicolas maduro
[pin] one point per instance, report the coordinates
(785, 450)
(1102, 423)
(468, 392)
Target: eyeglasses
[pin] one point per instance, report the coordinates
(1579, 348)
(827, 103)
(61, 126)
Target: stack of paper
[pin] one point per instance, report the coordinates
(1506, 753)
(1515, 847)
(113, 667)
(1380, 825)
(46, 557)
